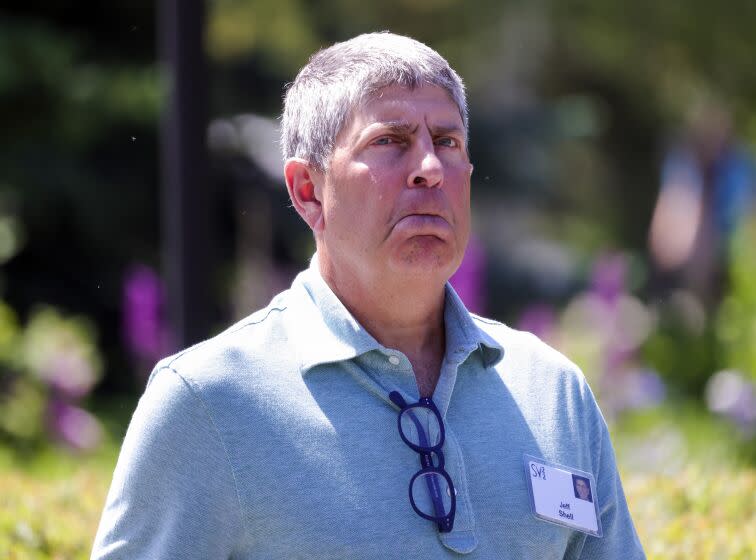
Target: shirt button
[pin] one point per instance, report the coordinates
(394, 360)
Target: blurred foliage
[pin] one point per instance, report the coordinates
(46, 368)
(682, 347)
(77, 161)
(48, 336)
(671, 55)
(41, 519)
(279, 30)
(736, 323)
(51, 500)
(669, 437)
(695, 513)
(41, 73)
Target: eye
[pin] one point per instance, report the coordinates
(447, 141)
(384, 141)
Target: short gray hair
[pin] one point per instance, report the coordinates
(338, 79)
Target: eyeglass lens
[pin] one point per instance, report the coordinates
(431, 493)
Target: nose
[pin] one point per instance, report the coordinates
(427, 169)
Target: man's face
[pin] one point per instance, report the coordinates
(582, 489)
(396, 196)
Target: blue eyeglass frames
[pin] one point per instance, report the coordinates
(431, 491)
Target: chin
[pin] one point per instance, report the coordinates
(428, 259)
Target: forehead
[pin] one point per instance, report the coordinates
(397, 103)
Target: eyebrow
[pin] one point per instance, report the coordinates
(399, 127)
(444, 129)
(403, 127)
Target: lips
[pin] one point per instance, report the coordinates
(425, 213)
(429, 206)
(423, 224)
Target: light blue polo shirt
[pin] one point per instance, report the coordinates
(277, 439)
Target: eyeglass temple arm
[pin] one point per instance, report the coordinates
(398, 399)
(432, 482)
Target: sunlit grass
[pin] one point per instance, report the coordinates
(690, 483)
(695, 513)
(51, 498)
(50, 518)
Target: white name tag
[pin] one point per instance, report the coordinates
(563, 495)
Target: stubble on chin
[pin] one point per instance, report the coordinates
(427, 256)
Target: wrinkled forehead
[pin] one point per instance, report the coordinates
(394, 95)
(396, 103)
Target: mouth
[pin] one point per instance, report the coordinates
(423, 224)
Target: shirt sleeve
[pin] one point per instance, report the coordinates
(173, 493)
(619, 539)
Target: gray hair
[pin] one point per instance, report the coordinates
(342, 77)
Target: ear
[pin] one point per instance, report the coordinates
(304, 186)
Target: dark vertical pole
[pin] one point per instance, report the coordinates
(185, 214)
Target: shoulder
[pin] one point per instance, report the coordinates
(525, 350)
(546, 385)
(552, 395)
(241, 353)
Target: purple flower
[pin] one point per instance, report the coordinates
(469, 280)
(73, 426)
(70, 374)
(630, 389)
(644, 389)
(732, 395)
(144, 331)
(61, 353)
(538, 319)
(608, 277)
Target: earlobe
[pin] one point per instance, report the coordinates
(302, 183)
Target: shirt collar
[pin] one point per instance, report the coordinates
(463, 336)
(328, 332)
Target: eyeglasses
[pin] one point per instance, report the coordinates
(431, 491)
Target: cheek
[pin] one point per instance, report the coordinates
(458, 188)
(459, 168)
(358, 202)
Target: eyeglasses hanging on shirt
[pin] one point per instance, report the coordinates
(431, 491)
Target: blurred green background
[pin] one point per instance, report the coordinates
(613, 202)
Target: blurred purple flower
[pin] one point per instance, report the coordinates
(469, 280)
(73, 426)
(538, 319)
(644, 389)
(616, 354)
(631, 389)
(732, 395)
(143, 328)
(608, 277)
(70, 375)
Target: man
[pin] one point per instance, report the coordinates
(582, 488)
(365, 413)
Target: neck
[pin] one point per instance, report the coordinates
(405, 314)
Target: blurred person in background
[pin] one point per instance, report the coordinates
(707, 188)
(365, 413)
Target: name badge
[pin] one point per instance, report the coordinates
(563, 495)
